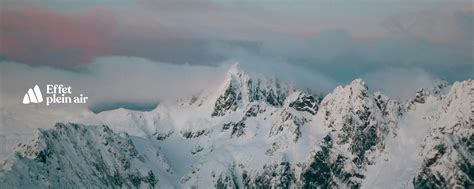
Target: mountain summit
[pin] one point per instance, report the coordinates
(239, 90)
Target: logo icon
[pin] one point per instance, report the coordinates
(33, 96)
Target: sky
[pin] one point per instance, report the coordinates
(397, 46)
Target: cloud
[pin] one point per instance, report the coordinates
(108, 82)
(337, 39)
(112, 79)
(340, 57)
(39, 36)
(254, 63)
(442, 22)
(400, 83)
(118, 79)
(170, 50)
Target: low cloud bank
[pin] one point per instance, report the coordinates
(111, 79)
(141, 84)
(131, 80)
(401, 83)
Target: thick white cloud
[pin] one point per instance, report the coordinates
(112, 79)
(401, 83)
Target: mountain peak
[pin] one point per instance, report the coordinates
(241, 89)
(359, 83)
(236, 76)
(234, 69)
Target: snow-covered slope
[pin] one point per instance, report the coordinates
(258, 132)
(448, 150)
(74, 155)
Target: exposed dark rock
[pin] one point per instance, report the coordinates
(307, 103)
(227, 102)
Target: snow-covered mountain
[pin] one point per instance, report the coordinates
(259, 132)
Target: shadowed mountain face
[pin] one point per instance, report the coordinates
(261, 133)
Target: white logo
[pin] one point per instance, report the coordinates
(33, 96)
(55, 94)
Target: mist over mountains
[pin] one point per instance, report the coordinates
(261, 132)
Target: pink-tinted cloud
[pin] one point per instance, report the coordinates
(38, 35)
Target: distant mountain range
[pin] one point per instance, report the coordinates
(259, 132)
